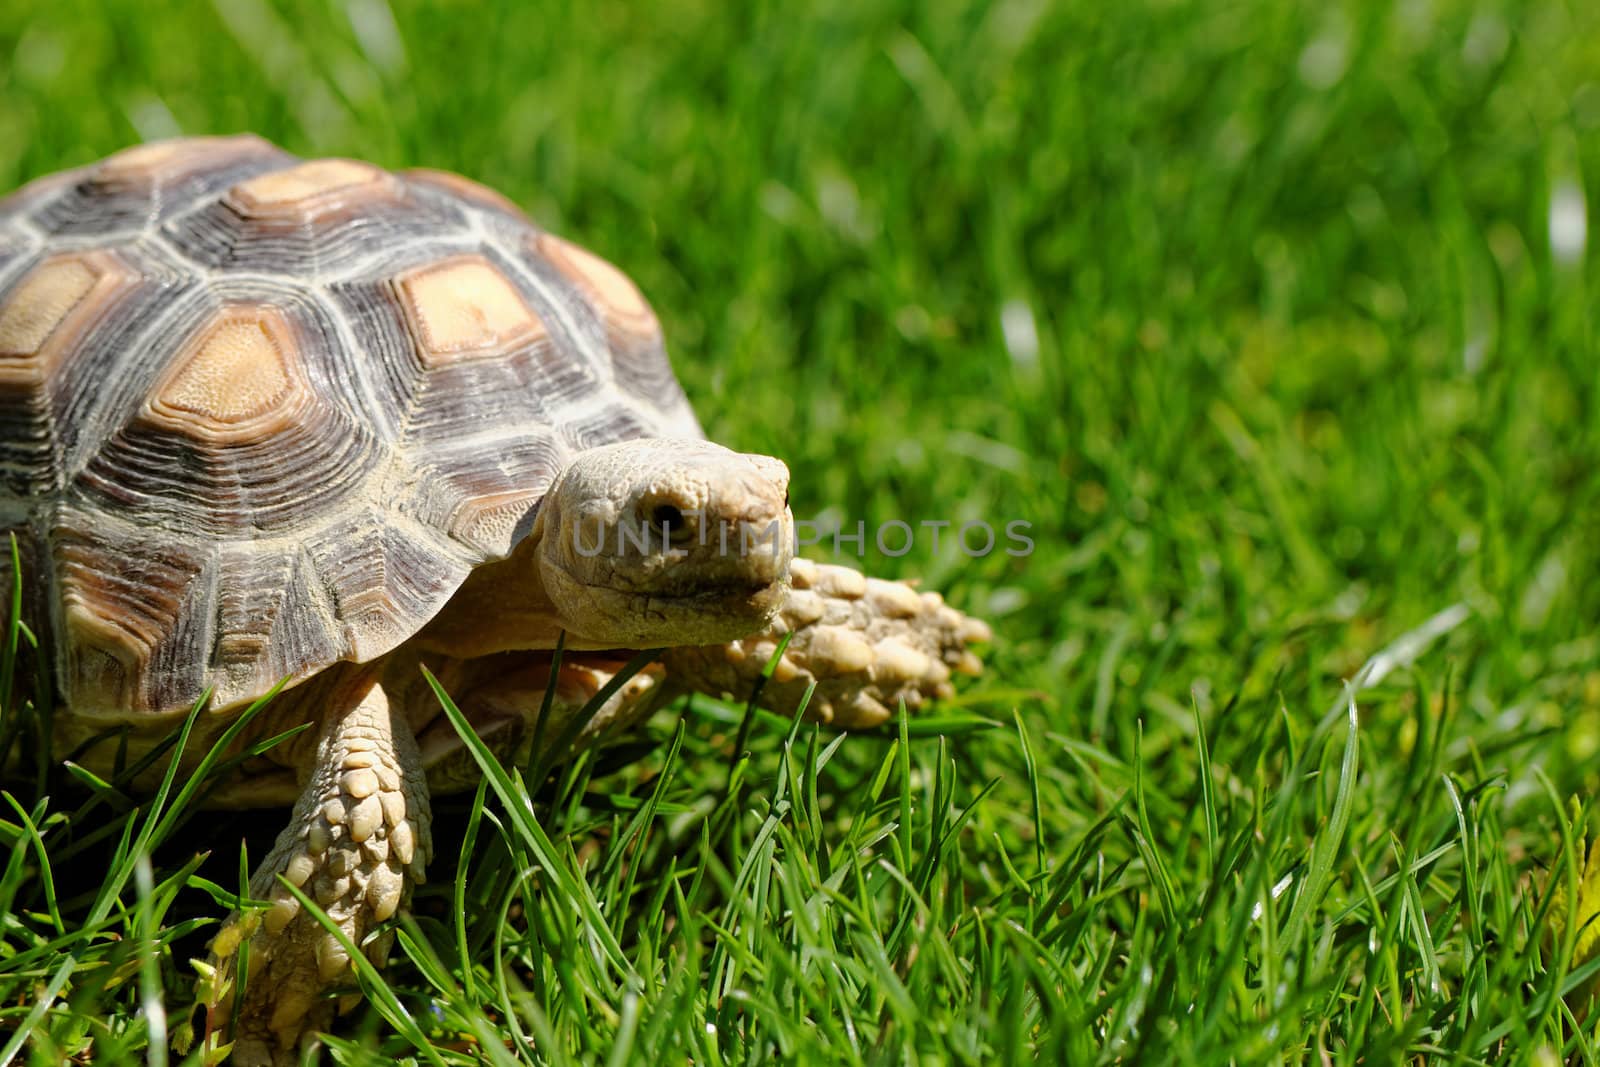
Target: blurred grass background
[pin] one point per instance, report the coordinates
(1274, 320)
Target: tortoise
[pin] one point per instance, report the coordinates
(314, 423)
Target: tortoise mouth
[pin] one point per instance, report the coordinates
(695, 573)
(679, 605)
(690, 590)
(705, 615)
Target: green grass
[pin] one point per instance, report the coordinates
(1251, 309)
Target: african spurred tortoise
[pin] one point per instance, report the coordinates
(267, 420)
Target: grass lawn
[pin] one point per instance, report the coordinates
(1273, 319)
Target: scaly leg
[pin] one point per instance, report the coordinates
(867, 644)
(357, 841)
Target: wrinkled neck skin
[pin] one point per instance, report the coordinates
(501, 606)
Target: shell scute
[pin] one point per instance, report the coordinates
(464, 344)
(275, 618)
(132, 615)
(463, 308)
(242, 427)
(30, 197)
(483, 495)
(613, 296)
(314, 219)
(609, 308)
(144, 184)
(603, 426)
(53, 319)
(46, 312)
(314, 190)
(382, 591)
(238, 379)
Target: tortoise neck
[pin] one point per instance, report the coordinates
(501, 607)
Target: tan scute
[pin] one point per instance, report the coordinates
(488, 521)
(236, 380)
(104, 654)
(51, 308)
(162, 162)
(616, 298)
(463, 308)
(109, 636)
(313, 189)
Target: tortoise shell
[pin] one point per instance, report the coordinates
(259, 415)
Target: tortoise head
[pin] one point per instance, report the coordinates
(662, 542)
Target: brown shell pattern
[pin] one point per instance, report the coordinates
(259, 415)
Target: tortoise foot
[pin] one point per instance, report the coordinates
(357, 842)
(868, 644)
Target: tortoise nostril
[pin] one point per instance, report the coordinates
(667, 517)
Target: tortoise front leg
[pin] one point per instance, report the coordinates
(357, 841)
(867, 643)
